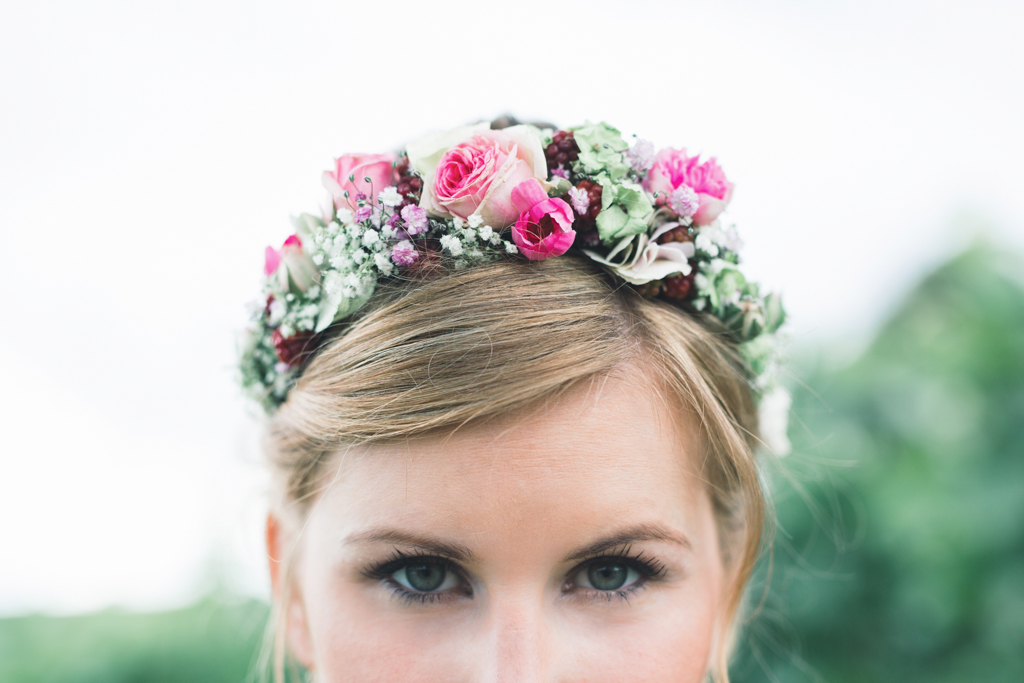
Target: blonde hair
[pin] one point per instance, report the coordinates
(431, 355)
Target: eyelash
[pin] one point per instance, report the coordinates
(382, 572)
(649, 569)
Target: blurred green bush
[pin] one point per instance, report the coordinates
(214, 641)
(899, 552)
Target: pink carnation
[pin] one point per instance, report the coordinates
(415, 219)
(544, 228)
(673, 168)
(404, 253)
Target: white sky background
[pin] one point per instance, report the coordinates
(149, 152)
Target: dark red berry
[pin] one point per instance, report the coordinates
(402, 167)
(677, 234)
(679, 286)
(562, 151)
(587, 221)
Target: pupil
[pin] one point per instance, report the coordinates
(607, 577)
(425, 577)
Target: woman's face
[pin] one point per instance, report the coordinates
(574, 543)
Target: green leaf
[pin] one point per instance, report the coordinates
(601, 150)
(626, 210)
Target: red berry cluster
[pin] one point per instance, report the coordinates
(409, 184)
(586, 222)
(678, 234)
(679, 286)
(562, 151)
(295, 349)
(676, 287)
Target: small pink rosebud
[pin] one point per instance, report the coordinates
(544, 228)
(298, 271)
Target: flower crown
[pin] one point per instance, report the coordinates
(475, 194)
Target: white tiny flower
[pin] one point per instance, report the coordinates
(351, 280)
(469, 234)
(486, 232)
(732, 240)
(277, 311)
(718, 265)
(701, 282)
(341, 262)
(476, 254)
(388, 232)
(475, 220)
(345, 216)
(452, 244)
(459, 223)
(699, 303)
(389, 196)
(359, 256)
(384, 264)
(705, 244)
(496, 239)
(312, 293)
(460, 264)
(318, 259)
(511, 248)
(370, 237)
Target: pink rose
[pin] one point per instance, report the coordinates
(473, 169)
(376, 167)
(544, 228)
(673, 168)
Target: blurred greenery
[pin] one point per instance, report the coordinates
(212, 641)
(899, 551)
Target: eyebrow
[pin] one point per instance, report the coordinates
(453, 551)
(633, 534)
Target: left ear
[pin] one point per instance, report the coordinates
(287, 593)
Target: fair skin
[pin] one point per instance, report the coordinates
(575, 543)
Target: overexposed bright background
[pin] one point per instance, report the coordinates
(149, 151)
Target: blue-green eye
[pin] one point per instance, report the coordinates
(607, 575)
(426, 576)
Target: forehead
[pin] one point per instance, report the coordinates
(609, 451)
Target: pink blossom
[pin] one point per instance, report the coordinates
(377, 167)
(684, 201)
(415, 219)
(404, 253)
(560, 173)
(641, 155)
(544, 228)
(580, 200)
(472, 170)
(673, 168)
(363, 213)
(271, 260)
